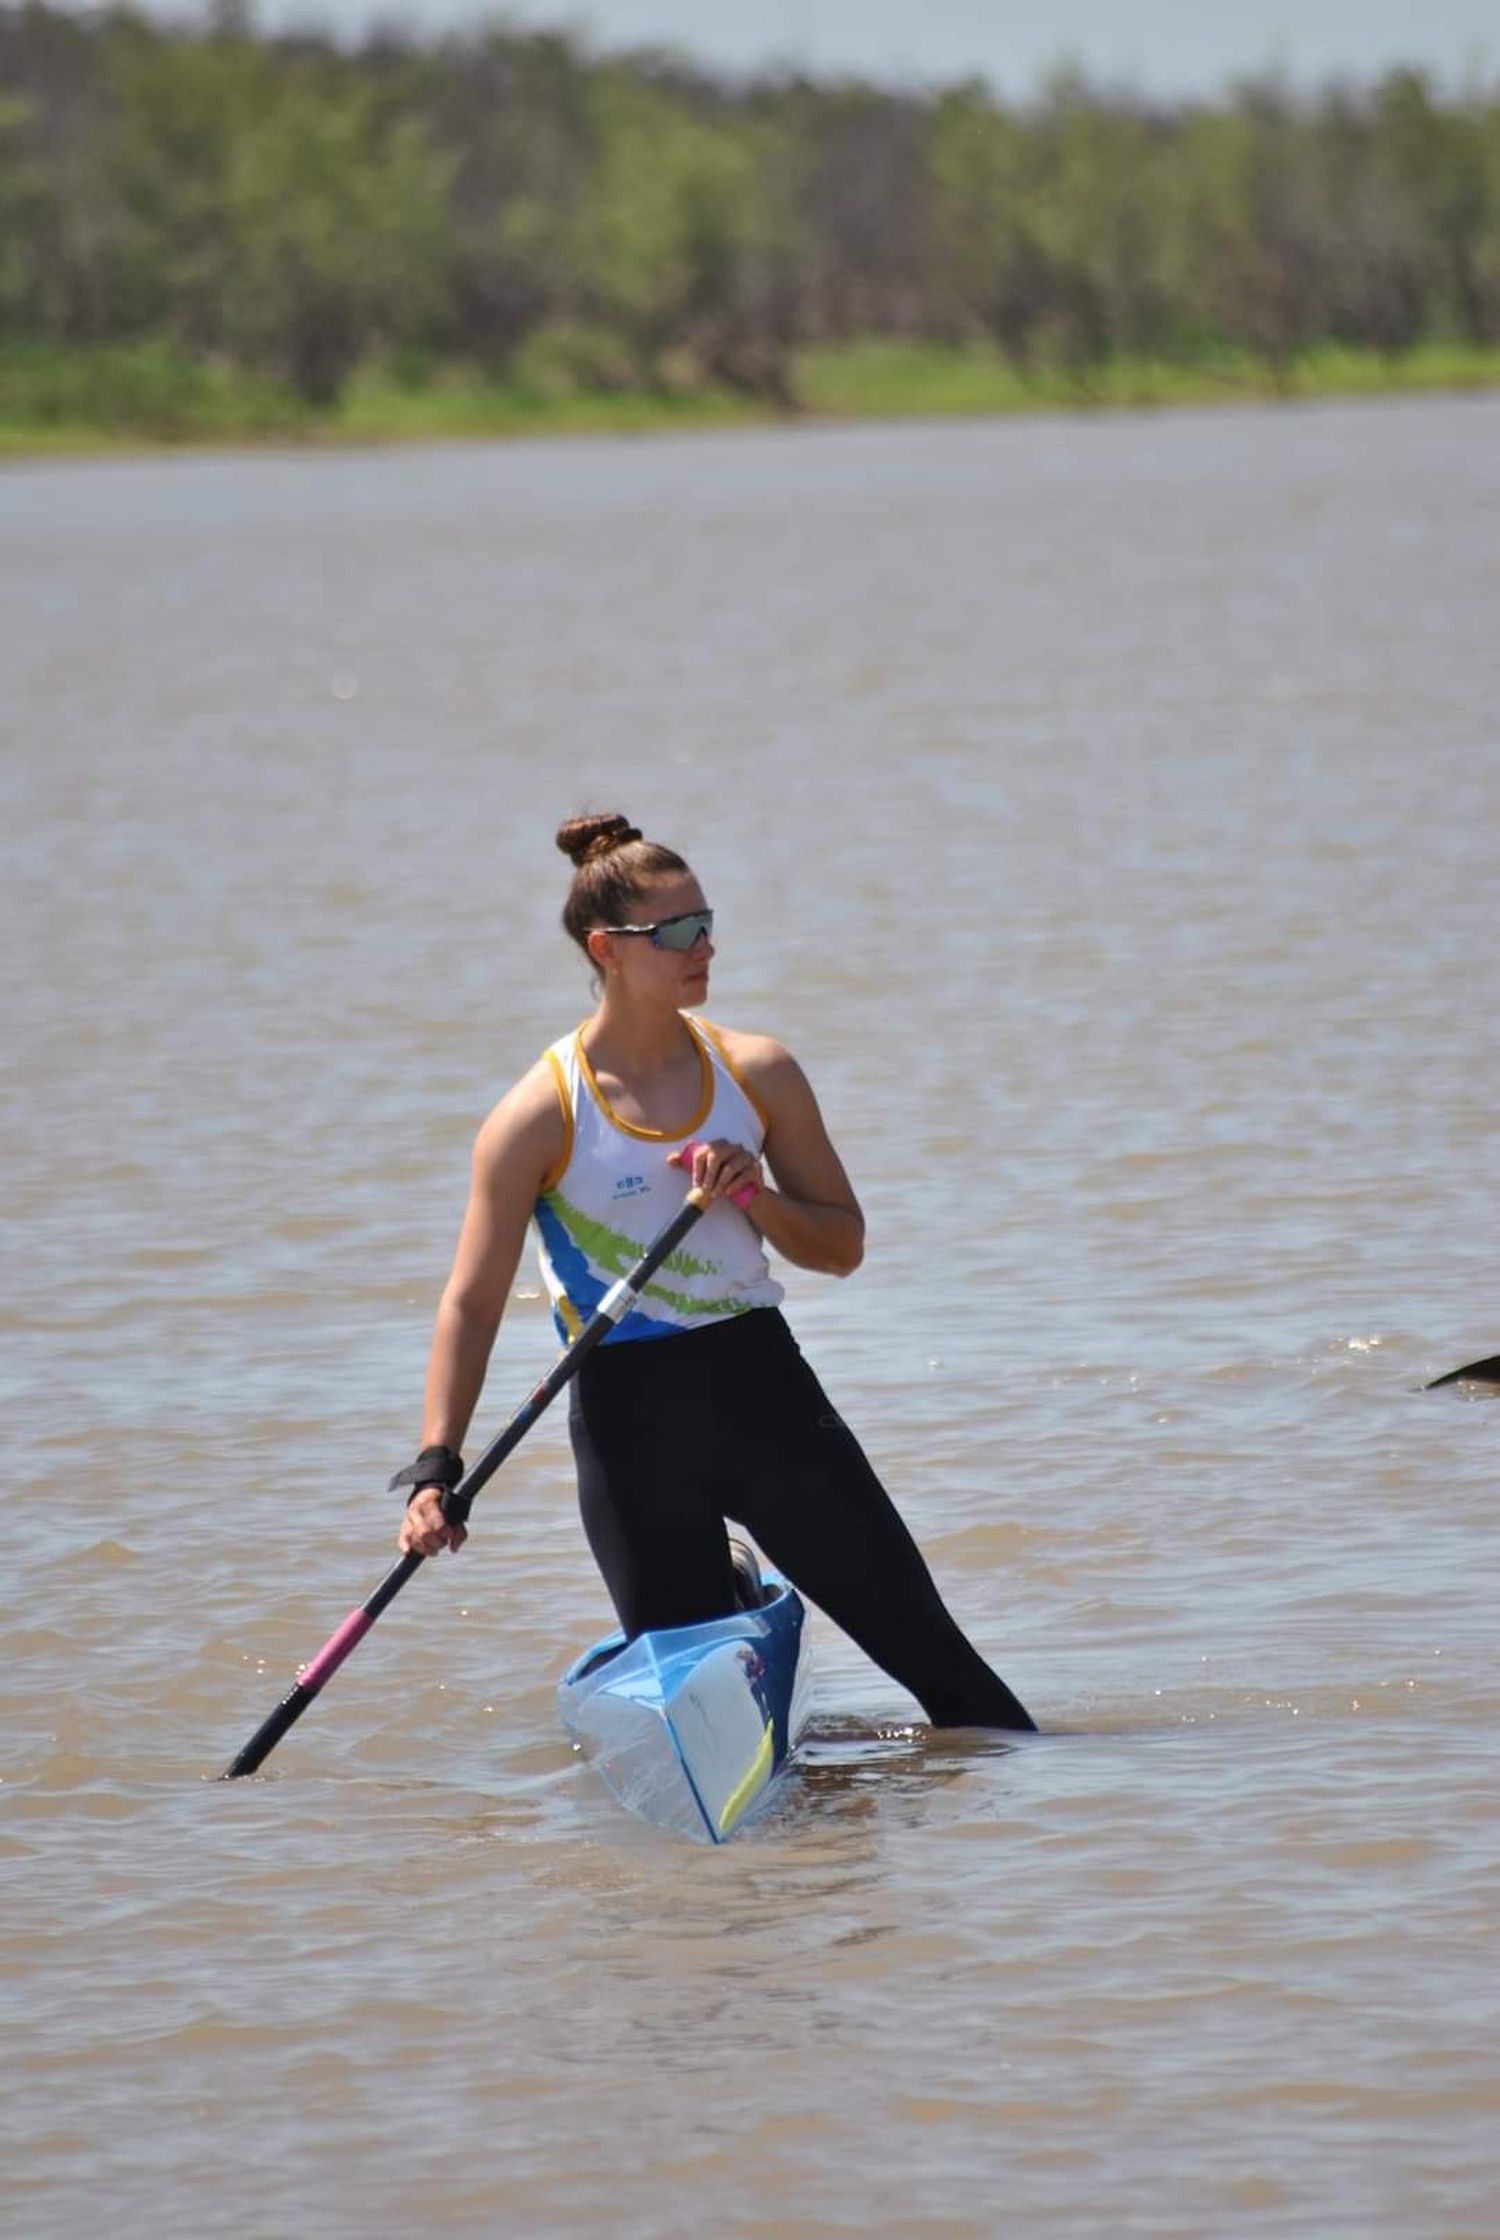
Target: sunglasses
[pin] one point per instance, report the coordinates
(673, 933)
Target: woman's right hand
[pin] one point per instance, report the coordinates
(425, 1531)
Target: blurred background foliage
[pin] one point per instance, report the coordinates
(205, 228)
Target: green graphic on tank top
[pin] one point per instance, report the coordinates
(616, 1254)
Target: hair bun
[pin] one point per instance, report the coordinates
(585, 839)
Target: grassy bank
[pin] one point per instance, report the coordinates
(896, 380)
(59, 402)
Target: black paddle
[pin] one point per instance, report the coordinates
(458, 1499)
(1478, 1372)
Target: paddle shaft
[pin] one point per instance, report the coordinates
(457, 1500)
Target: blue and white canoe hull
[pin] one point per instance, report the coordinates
(690, 1725)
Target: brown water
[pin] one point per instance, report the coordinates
(1106, 812)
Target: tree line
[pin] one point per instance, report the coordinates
(295, 208)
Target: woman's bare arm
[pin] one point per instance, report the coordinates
(812, 1217)
(518, 1146)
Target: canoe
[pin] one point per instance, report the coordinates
(691, 1726)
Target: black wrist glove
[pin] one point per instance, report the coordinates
(434, 1466)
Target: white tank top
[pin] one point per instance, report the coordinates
(613, 1192)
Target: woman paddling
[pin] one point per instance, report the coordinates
(698, 1406)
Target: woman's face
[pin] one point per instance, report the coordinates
(652, 971)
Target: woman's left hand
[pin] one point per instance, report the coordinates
(722, 1168)
(425, 1531)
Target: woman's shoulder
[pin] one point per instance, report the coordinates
(783, 1096)
(763, 1067)
(530, 1121)
(535, 1088)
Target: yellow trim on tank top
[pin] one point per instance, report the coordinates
(554, 1175)
(716, 1037)
(628, 1127)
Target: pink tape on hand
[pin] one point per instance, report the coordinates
(742, 1198)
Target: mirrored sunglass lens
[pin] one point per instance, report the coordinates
(681, 933)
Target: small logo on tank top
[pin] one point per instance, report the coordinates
(632, 1186)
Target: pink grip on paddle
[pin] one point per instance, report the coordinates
(741, 1198)
(333, 1652)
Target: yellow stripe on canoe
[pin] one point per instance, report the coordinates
(754, 1781)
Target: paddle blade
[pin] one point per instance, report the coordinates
(1477, 1372)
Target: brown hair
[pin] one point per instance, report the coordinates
(613, 864)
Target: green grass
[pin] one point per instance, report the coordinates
(147, 395)
(884, 379)
(377, 409)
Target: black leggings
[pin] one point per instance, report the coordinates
(673, 1435)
